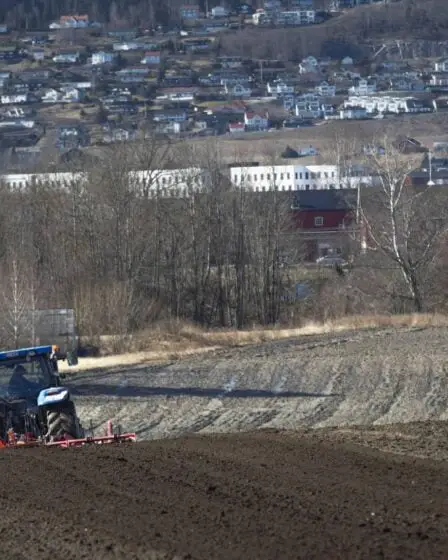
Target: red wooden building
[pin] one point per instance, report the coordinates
(325, 221)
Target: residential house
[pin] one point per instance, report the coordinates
(245, 9)
(309, 65)
(132, 75)
(418, 106)
(406, 84)
(325, 90)
(123, 34)
(51, 95)
(151, 57)
(102, 57)
(4, 78)
(219, 11)
(308, 106)
(289, 102)
(189, 11)
(230, 61)
(439, 80)
(67, 58)
(71, 22)
(237, 90)
(71, 136)
(72, 95)
(363, 87)
(353, 113)
(279, 88)
(173, 115)
(325, 222)
(38, 55)
(295, 17)
(441, 65)
(236, 127)
(15, 98)
(177, 95)
(171, 127)
(256, 121)
(119, 134)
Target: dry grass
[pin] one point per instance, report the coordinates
(174, 342)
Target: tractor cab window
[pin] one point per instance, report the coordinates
(23, 378)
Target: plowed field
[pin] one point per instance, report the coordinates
(268, 495)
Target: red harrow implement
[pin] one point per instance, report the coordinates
(29, 440)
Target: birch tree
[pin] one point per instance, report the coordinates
(405, 224)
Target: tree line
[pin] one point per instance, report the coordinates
(126, 255)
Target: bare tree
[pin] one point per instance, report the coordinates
(405, 224)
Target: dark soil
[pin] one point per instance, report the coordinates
(263, 496)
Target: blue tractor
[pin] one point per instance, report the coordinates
(34, 407)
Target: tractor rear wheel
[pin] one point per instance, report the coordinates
(62, 422)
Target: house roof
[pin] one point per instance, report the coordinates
(343, 199)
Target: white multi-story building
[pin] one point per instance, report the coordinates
(261, 178)
(161, 182)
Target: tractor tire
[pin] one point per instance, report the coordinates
(62, 422)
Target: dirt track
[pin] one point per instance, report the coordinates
(263, 496)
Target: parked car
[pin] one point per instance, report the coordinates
(331, 260)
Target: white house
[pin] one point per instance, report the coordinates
(72, 95)
(441, 65)
(67, 58)
(256, 121)
(219, 11)
(439, 80)
(14, 98)
(364, 87)
(279, 87)
(325, 90)
(102, 57)
(51, 95)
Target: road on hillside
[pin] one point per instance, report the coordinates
(263, 496)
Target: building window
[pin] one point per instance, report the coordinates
(297, 176)
(235, 178)
(281, 176)
(261, 177)
(332, 174)
(288, 176)
(325, 175)
(318, 221)
(275, 176)
(268, 176)
(307, 187)
(301, 176)
(255, 177)
(248, 177)
(307, 175)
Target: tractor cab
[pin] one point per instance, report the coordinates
(26, 372)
